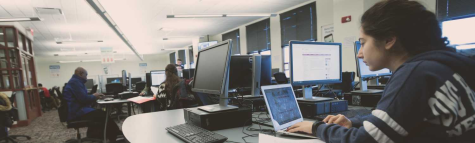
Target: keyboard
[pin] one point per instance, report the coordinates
(194, 134)
(348, 114)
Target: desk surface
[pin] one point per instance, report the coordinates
(150, 128)
(101, 101)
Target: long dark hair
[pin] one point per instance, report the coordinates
(416, 28)
(171, 77)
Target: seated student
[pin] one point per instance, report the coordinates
(429, 97)
(165, 90)
(79, 107)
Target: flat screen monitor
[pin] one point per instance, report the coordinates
(363, 70)
(240, 72)
(266, 70)
(135, 80)
(314, 63)
(148, 79)
(114, 80)
(456, 30)
(89, 83)
(204, 45)
(157, 77)
(212, 69)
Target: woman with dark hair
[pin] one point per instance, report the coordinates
(165, 90)
(429, 97)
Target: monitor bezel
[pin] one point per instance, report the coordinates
(314, 82)
(358, 70)
(226, 70)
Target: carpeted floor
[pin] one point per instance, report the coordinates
(48, 129)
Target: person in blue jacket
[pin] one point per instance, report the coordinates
(430, 97)
(79, 107)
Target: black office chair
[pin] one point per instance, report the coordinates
(14, 116)
(280, 78)
(180, 97)
(139, 86)
(76, 124)
(94, 89)
(114, 88)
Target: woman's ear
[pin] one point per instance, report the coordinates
(390, 42)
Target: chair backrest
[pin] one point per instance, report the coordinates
(114, 88)
(139, 86)
(94, 89)
(280, 78)
(180, 96)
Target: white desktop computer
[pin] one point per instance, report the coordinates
(314, 63)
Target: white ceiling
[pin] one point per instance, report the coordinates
(140, 21)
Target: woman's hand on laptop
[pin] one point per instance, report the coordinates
(304, 126)
(338, 119)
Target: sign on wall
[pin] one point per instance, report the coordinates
(107, 55)
(143, 67)
(54, 70)
(327, 33)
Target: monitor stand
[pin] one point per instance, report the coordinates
(308, 96)
(223, 103)
(365, 90)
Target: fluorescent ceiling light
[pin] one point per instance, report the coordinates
(81, 41)
(85, 61)
(18, 19)
(220, 15)
(49, 9)
(173, 49)
(96, 5)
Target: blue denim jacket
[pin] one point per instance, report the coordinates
(79, 101)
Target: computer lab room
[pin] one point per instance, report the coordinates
(237, 71)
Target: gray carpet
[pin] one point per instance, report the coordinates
(48, 129)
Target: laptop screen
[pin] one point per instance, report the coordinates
(282, 103)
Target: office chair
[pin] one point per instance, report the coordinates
(139, 86)
(280, 78)
(180, 97)
(114, 88)
(76, 124)
(94, 89)
(14, 116)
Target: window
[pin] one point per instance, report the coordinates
(182, 56)
(258, 36)
(234, 35)
(190, 55)
(449, 9)
(172, 58)
(286, 59)
(299, 24)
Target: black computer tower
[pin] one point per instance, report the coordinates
(218, 120)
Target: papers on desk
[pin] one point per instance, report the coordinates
(140, 99)
(264, 138)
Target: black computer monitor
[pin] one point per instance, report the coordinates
(313, 63)
(188, 73)
(136, 79)
(89, 83)
(266, 70)
(157, 77)
(211, 74)
(148, 79)
(114, 80)
(240, 72)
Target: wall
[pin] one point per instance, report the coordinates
(154, 62)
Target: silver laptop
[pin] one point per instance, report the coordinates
(283, 108)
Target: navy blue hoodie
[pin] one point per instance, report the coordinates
(430, 98)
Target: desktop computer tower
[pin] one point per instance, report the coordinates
(311, 109)
(363, 99)
(218, 120)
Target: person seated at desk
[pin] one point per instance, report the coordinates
(430, 96)
(79, 107)
(164, 96)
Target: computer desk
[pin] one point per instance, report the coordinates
(150, 128)
(108, 104)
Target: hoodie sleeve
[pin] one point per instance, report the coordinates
(397, 113)
(81, 93)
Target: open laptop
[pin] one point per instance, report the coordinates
(283, 108)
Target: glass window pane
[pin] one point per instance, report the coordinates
(14, 58)
(27, 47)
(10, 37)
(5, 80)
(3, 59)
(25, 70)
(30, 46)
(16, 79)
(20, 41)
(2, 37)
